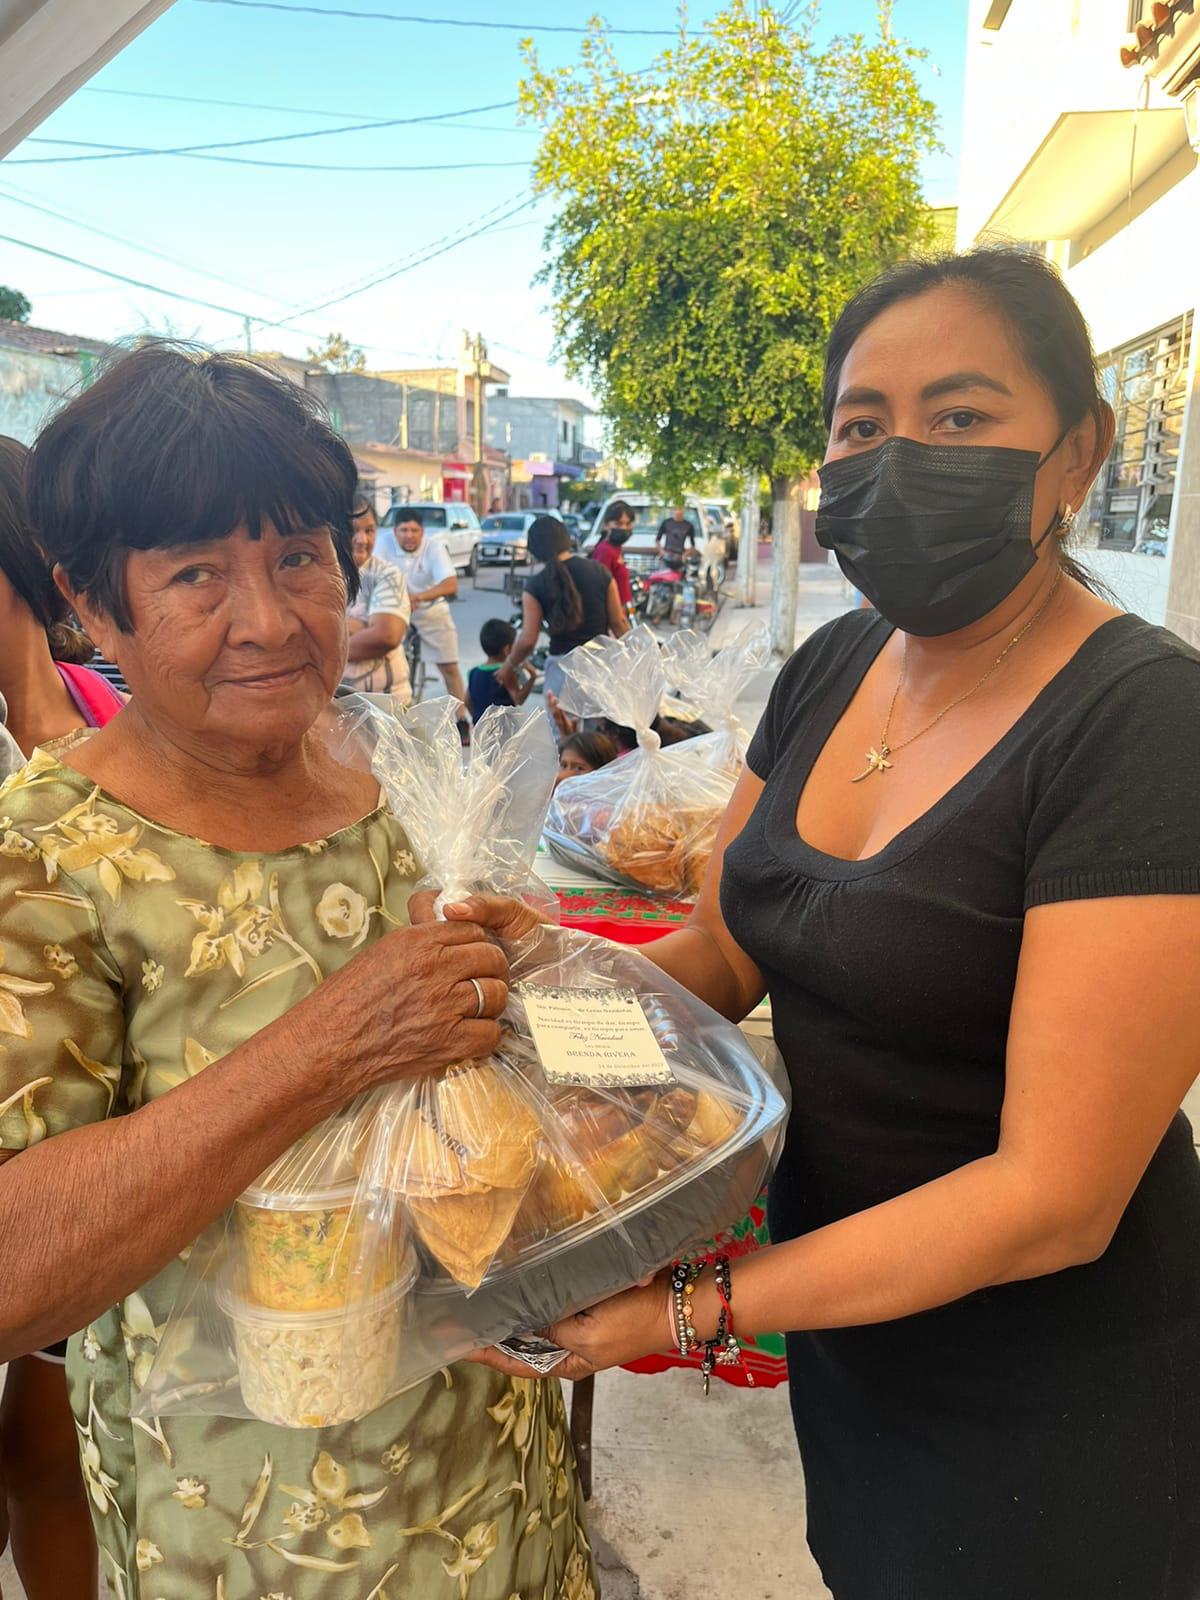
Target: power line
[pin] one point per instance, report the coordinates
(397, 272)
(440, 22)
(124, 152)
(121, 277)
(362, 281)
(299, 111)
(327, 166)
(117, 238)
(231, 311)
(287, 167)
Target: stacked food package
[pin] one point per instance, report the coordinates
(649, 820)
(620, 1123)
(710, 683)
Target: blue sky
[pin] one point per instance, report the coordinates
(268, 242)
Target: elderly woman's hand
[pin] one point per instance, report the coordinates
(408, 1004)
(506, 917)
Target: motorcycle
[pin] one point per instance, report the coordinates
(673, 594)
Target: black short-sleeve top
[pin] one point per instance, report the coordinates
(593, 582)
(892, 978)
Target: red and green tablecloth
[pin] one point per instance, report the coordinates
(632, 919)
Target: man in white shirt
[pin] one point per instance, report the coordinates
(378, 620)
(432, 581)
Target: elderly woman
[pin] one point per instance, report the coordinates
(206, 951)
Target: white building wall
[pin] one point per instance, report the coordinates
(33, 386)
(1051, 57)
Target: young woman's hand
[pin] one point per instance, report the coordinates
(625, 1328)
(566, 725)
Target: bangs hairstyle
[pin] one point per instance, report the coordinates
(174, 446)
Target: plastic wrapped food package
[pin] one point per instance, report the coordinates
(302, 1241)
(710, 683)
(313, 1369)
(649, 820)
(492, 1197)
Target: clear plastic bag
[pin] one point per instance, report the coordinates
(450, 1211)
(649, 820)
(711, 683)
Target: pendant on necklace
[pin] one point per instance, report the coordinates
(877, 761)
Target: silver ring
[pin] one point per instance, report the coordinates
(480, 1002)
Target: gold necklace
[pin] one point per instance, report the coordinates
(880, 760)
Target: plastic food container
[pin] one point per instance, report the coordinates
(317, 1368)
(306, 1241)
(298, 1249)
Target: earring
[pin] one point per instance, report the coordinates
(1067, 521)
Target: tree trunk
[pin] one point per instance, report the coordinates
(747, 561)
(787, 495)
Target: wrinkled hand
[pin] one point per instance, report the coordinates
(405, 1006)
(500, 914)
(625, 1328)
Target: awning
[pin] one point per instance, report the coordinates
(1079, 173)
(50, 48)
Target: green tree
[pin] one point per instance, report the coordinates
(714, 212)
(14, 307)
(337, 354)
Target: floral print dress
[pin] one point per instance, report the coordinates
(132, 957)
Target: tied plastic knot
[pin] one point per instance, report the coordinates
(648, 740)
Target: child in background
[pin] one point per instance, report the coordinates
(483, 689)
(581, 753)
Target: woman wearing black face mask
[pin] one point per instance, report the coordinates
(964, 862)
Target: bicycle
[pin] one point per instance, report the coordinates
(418, 670)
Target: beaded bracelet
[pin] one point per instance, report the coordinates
(683, 1287)
(724, 1349)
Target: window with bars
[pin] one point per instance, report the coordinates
(1136, 8)
(1146, 384)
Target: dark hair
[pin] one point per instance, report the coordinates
(548, 540)
(618, 509)
(1026, 291)
(26, 567)
(174, 446)
(496, 635)
(670, 730)
(362, 506)
(597, 749)
(674, 730)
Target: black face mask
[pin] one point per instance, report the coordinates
(935, 536)
(617, 536)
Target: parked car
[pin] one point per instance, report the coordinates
(504, 538)
(641, 556)
(576, 526)
(453, 520)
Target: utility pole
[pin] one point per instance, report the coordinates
(747, 557)
(478, 352)
(249, 336)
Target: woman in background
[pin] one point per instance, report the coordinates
(48, 694)
(576, 599)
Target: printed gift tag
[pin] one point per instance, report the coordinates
(599, 1038)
